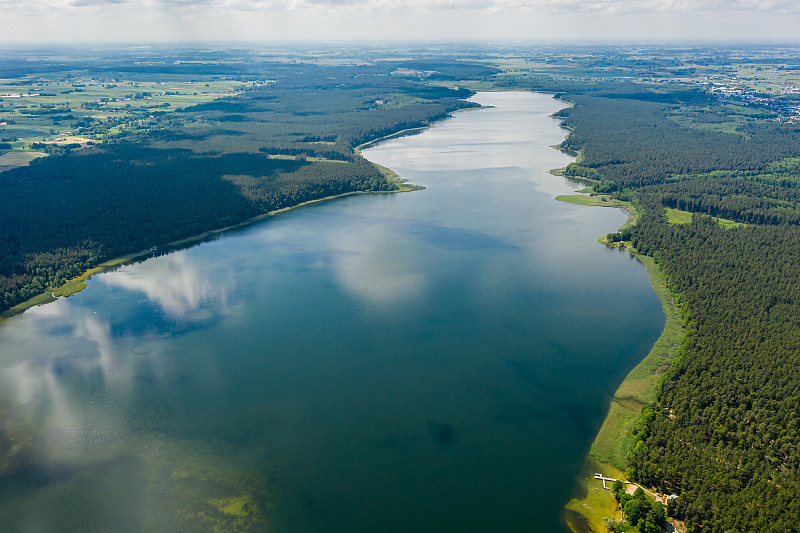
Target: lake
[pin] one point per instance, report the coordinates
(438, 360)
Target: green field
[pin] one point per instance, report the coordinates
(49, 105)
(19, 158)
(675, 216)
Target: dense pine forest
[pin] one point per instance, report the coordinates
(168, 176)
(725, 435)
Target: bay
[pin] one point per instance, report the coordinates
(430, 361)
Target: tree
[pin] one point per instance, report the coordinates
(618, 487)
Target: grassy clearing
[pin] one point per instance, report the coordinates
(39, 299)
(597, 200)
(676, 216)
(392, 177)
(727, 224)
(615, 438)
(69, 288)
(601, 200)
(388, 173)
(76, 284)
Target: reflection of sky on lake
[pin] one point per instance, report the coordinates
(77, 369)
(176, 285)
(370, 264)
(65, 348)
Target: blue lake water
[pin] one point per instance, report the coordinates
(437, 360)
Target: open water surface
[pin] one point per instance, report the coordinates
(429, 361)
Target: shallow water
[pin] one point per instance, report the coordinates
(429, 361)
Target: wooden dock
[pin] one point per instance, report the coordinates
(602, 478)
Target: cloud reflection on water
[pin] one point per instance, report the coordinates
(176, 284)
(80, 375)
(61, 396)
(372, 264)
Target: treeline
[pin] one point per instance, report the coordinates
(66, 213)
(736, 199)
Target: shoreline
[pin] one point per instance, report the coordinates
(591, 504)
(395, 135)
(77, 284)
(413, 131)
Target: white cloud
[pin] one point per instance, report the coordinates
(292, 20)
(277, 7)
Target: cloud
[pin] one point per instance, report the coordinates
(309, 20)
(277, 7)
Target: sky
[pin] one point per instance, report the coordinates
(148, 21)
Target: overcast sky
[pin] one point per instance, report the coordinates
(275, 20)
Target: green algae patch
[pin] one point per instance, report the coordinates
(198, 486)
(14, 445)
(591, 504)
(236, 506)
(237, 513)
